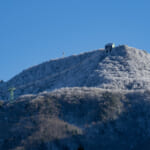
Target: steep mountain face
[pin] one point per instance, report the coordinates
(125, 68)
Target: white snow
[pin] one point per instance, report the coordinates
(125, 68)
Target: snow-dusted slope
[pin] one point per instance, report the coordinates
(124, 68)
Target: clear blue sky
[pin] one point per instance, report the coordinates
(33, 31)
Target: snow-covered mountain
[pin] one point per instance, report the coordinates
(101, 101)
(125, 68)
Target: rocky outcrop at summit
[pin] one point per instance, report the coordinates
(125, 68)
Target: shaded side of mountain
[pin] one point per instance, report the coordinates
(70, 118)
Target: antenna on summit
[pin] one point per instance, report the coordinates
(63, 54)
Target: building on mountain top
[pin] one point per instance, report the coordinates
(109, 47)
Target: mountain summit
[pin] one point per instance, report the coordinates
(124, 68)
